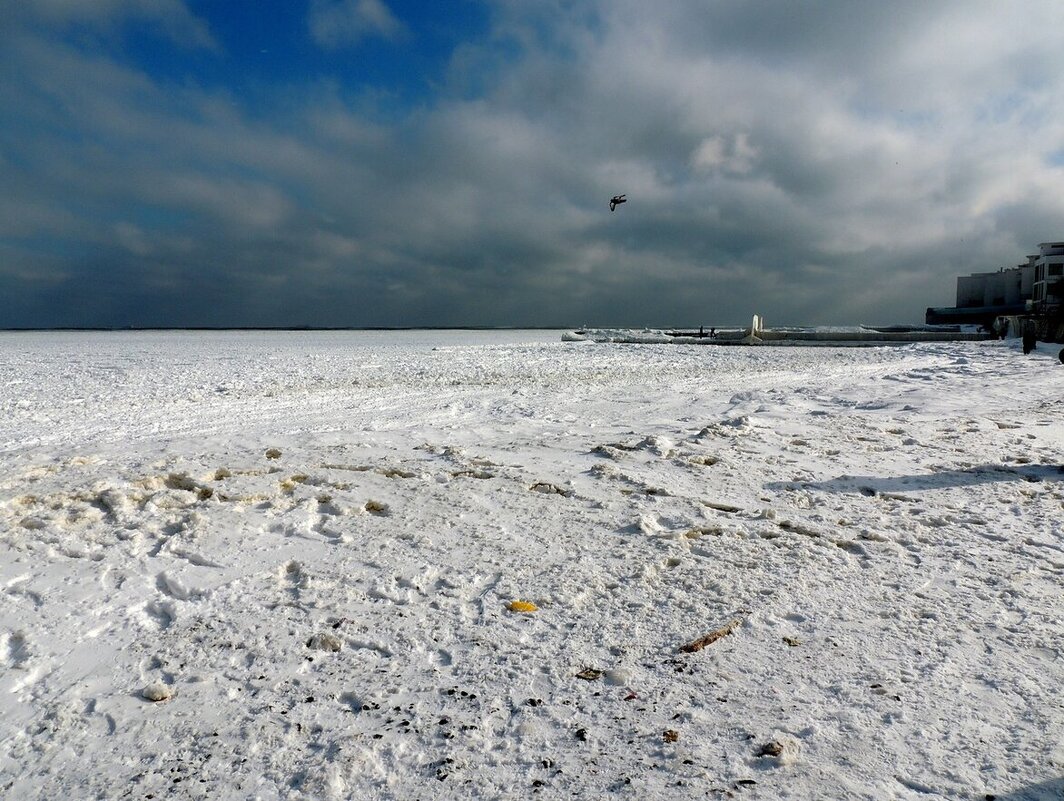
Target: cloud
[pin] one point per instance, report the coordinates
(827, 162)
(171, 17)
(336, 23)
(731, 154)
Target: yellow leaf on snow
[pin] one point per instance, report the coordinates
(522, 606)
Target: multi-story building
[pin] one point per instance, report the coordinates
(1048, 291)
(1036, 287)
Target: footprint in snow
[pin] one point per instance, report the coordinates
(293, 578)
(157, 614)
(15, 647)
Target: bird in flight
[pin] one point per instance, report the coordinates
(617, 200)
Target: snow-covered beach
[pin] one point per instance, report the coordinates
(284, 566)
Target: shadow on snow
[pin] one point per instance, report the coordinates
(1052, 790)
(981, 474)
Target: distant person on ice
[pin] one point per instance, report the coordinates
(1028, 338)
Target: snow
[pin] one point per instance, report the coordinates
(406, 565)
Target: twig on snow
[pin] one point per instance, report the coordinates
(712, 637)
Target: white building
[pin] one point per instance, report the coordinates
(1040, 280)
(1037, 286)
(1007, 287)
(1048, 289)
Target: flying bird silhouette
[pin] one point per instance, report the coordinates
(617, 200)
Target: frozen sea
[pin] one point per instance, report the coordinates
(399, 565)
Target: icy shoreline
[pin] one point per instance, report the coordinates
(831, 337)
(307, 546)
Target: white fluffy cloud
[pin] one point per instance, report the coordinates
(171, 16)
(334, 23)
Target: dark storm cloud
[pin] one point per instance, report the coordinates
(817, 163)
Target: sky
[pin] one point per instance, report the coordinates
(409, 163)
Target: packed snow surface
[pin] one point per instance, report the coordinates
(496, 565)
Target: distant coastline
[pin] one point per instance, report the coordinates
(293, 328)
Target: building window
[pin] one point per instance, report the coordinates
(1056, 269)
